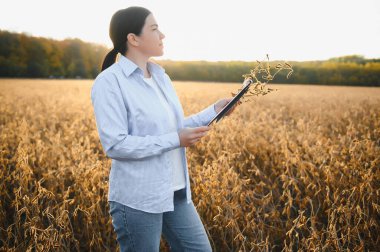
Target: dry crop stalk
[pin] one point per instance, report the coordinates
(259, 87)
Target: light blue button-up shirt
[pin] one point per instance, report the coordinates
(132, 127)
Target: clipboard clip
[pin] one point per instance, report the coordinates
(247, 82)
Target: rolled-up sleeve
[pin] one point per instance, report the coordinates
(112, 124)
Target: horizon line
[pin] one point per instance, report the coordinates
(183, 60)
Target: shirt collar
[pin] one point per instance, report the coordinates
(129, 66)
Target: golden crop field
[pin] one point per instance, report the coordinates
(296, 170)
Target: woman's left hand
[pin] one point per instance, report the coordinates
(222, 103)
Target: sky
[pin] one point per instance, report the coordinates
(213, 30)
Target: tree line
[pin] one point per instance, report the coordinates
(26, 56)
(348, 70)
(35, 57)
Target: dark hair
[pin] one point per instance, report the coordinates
(123, 22)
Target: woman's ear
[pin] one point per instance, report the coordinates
(133, 39)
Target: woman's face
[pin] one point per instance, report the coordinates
(150, 39)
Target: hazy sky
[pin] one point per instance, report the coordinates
(216, 30)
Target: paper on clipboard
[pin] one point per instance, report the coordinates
(229, 105)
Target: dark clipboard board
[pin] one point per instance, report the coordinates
(229, 105)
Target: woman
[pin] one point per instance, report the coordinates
(142, 129)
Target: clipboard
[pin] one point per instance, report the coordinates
(229, 105)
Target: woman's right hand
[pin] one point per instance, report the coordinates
(189, 136)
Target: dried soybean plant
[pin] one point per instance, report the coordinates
(261, 75)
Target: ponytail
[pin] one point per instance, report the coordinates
(109, 59)
(123, 22)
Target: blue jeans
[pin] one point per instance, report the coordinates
(141, 231)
